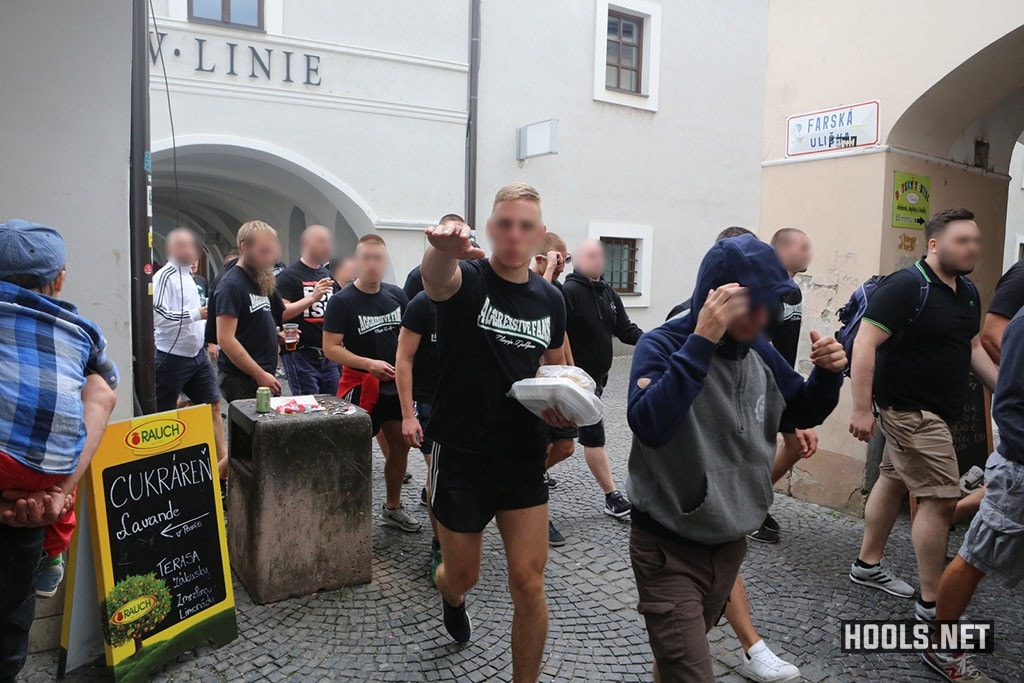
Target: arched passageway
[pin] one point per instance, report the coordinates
(215, 184)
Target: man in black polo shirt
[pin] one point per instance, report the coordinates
(309, 283)
(924, 356)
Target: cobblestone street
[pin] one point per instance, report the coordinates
(390, 630)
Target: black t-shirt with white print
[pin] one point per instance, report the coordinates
(490, 334)
(419, 318)
(784, 332)
(237, 295)
(296, 282)
(368, 323)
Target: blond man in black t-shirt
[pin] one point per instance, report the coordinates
(496, 323)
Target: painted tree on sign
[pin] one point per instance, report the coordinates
(133, 608)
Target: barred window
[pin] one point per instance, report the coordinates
(621, 260)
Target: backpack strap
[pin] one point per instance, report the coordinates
(926, 286)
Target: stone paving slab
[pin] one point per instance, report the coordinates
(390, 630)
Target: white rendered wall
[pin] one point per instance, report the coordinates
(64, 136)
(685, 171)
(387, 119)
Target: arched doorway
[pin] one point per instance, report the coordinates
(215, 183)
(950, 114)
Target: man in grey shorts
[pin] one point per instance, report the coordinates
(994, 545)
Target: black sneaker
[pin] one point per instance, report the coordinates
(457, 622)
(770, 523)
(764, 535)
(555, 537)
(407, 478)
(423, 496)
(617, 505)
(550, 481)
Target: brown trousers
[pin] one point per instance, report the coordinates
(683, 591)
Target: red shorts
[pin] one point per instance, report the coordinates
(14, 475)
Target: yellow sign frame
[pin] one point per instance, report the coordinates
(153, 435)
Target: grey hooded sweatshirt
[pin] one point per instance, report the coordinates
(705, 416)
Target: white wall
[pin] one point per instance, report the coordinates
(64, 132)
(387, 120)
(687, 170)
(1015, 208)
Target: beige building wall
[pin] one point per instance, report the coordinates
(945, 74)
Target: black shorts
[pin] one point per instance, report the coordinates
(386, 409)
(593, 436)
(468, 488)
(179, 374)
(559, 433)
(423, 411)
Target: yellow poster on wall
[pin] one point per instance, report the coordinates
(158, 541)
(911, 200)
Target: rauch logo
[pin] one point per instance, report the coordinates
(133, 610)
(155, 434)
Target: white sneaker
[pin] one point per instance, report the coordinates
(762, 665)
(399, 518)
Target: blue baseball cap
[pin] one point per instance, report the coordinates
(31, 249)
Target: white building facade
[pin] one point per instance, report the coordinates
(655, 163)
(356, 116)
(347, 114)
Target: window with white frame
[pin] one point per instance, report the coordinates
(620, 263)
(627, 53)
(237, 13)
(629, 255)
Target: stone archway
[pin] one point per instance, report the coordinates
(222, 181)
(949, 112)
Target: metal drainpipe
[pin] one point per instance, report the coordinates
(139, 217)
(474, 96)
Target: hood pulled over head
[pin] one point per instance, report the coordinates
(748, 262)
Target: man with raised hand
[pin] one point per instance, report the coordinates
(496, 323)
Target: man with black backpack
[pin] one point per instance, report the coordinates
(911, 363)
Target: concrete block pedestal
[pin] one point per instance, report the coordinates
(299, 499)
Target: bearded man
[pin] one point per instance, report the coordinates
(248, 311)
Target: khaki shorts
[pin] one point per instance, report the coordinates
(919, 452)
(683, 589)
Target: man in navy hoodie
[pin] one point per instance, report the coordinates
(707, 393)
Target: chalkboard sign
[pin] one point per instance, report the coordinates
(159, 545)
(161, 520)
(972, 433)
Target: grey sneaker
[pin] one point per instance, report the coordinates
(399, 518)
(959, 669)
(881, 578)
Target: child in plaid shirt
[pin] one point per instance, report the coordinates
(56, 394)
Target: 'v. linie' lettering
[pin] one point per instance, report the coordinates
(495, 320)
(371, 323)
